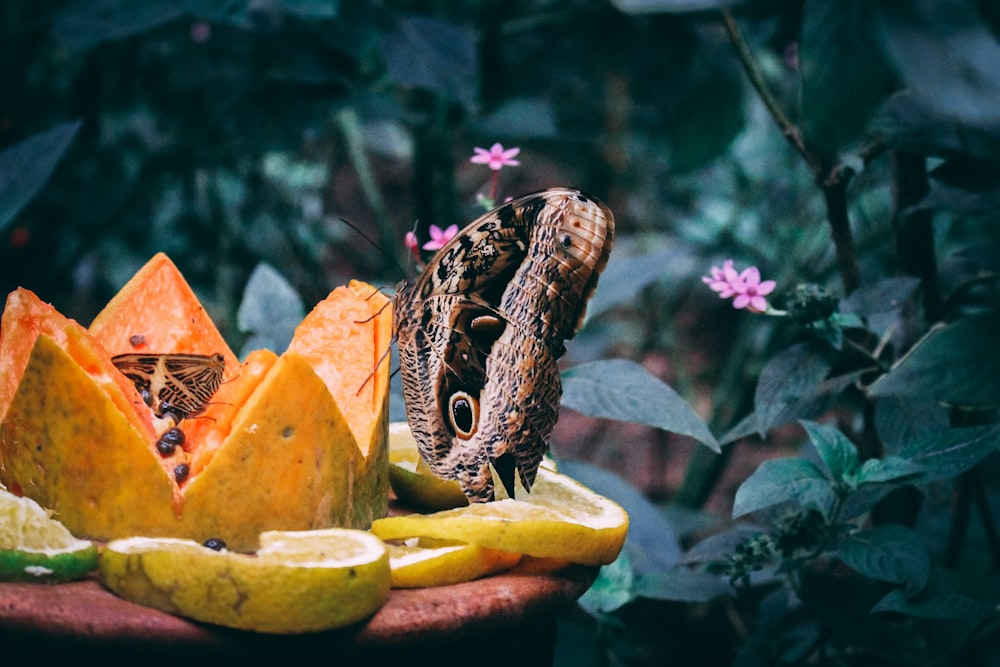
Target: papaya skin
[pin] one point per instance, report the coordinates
(273, 451)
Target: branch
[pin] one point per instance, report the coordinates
(788, 129)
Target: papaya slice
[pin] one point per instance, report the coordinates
(289, 442)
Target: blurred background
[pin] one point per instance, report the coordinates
(312, 135)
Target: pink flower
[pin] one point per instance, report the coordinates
(747, 287)
(724, 280)
(410, 241)
(496, 158)
(439, 237)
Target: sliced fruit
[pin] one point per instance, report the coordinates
(36, 547)
(297, 582)
(287, 436)
(420, 566)
(412, 480)
(559, 519)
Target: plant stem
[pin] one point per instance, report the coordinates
(350, 127)
(913, 230)
(788, 129)
(986, 516)
(705, 467)
(835, 195)
(831, 176)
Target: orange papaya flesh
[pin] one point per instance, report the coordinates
(347, 363)
(354, 367)
(25, 317)
(286, 442)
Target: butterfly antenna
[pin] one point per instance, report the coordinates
(382, 251)
(385, 355)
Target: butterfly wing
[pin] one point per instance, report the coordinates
(481, 329)
(178, 383)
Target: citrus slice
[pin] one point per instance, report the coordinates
(561, 519)
(411, 478)
(420, 566)
(298, 581)
(36, 547)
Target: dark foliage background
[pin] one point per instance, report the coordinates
(849, 149)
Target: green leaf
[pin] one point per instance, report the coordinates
(785, 480)
(956, 363)
(908, 123)
(941, 605)
(787, 383)
(26, 166)
(900, 419)
(626, 276)
(952, 452)
(812, 404)
(672, 6)
(946, 54)
(83, 24)
(720, 546)
(836, 451)
(523, 118)
(844, 78)
(625, 391)
(431, 54)
(882, 296)
(890, 553)
(611, 589)
(888, 469)
(682, 585)
(269, 312)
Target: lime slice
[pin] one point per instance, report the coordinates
(412, 480)
(36, 547)
(420, 566)
(414, 483)
(297, 582)
(560, 519)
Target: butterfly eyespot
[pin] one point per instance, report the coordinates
(566, 241)
(463, 414)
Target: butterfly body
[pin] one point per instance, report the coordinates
(173, 385)
(481, 329)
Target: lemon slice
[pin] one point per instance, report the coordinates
(36, 547)
(297, 582)
(411, 478)
(560, 519)
(420, 566)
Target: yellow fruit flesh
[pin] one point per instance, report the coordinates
(412, 480)
(294, 584)
(36, 547)
(422, 567)
(559, 519)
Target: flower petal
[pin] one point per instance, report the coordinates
(750, 275)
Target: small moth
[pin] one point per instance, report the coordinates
(177, 386)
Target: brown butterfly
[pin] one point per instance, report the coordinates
(176, 386)
(481, 328)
